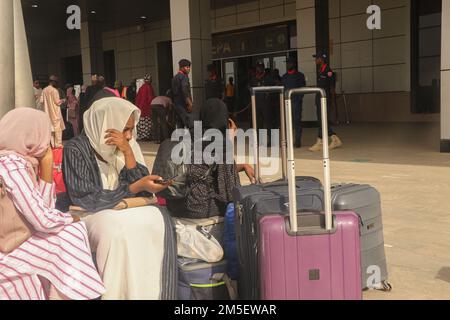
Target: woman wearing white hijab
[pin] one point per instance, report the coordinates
(103, 166)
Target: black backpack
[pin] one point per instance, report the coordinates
(182, 200)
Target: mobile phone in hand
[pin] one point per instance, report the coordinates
(163, 182)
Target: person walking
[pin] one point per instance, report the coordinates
(88, 95)
(144, 100)
(326, 80)
(38, 95)
(160, 109)
(132, 92)
(73, 108)
(291, 80)
(214, 86)
(182, 97)
(52, 106)
(119, 88)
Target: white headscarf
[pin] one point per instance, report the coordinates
(111, 113)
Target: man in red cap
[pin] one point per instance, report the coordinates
(182, 97)
(326, 79)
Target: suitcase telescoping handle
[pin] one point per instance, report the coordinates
(283, 142)
(291, 157)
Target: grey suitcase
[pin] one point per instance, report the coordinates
(365, 201)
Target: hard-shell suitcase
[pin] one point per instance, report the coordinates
(229, 243)
(308, 265)
(310, 256)
(254, 201)
(365, 201)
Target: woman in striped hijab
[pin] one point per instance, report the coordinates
(55, 262)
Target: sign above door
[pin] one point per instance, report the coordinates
(262, 40)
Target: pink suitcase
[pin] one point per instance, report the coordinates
(312, 256)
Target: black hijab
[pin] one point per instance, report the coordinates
(214, 115)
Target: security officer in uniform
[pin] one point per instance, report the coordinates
(263, 100)
(326, 79)
(214, 86)
(181, 91)
(294, 79)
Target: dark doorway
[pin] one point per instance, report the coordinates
(73, 70)
(426, 56)
(165, 66)
(110, 67)
(243, 69)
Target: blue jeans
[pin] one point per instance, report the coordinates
(185, 117)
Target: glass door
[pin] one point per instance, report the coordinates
(279, 63)
(230, 71)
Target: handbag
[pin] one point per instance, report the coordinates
(128, 203)
(58, 176)
(195, 242)
(14, 229)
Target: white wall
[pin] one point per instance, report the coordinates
(370, 61)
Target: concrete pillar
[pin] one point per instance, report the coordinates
(91, 44)
(445, 78)
(7, 56)
(191, 39)
(24, 95)
(306, 43)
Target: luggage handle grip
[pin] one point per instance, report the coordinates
(274, 89)
(278, 184)
(283, 142)
(312, 224)
(291, 157)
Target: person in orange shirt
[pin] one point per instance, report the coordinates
(230, 95)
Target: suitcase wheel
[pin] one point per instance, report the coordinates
(385, 287)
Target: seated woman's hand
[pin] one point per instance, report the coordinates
(233, 129)
(250, 172)
(47, 158)
(46, 166)
(117, 139)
